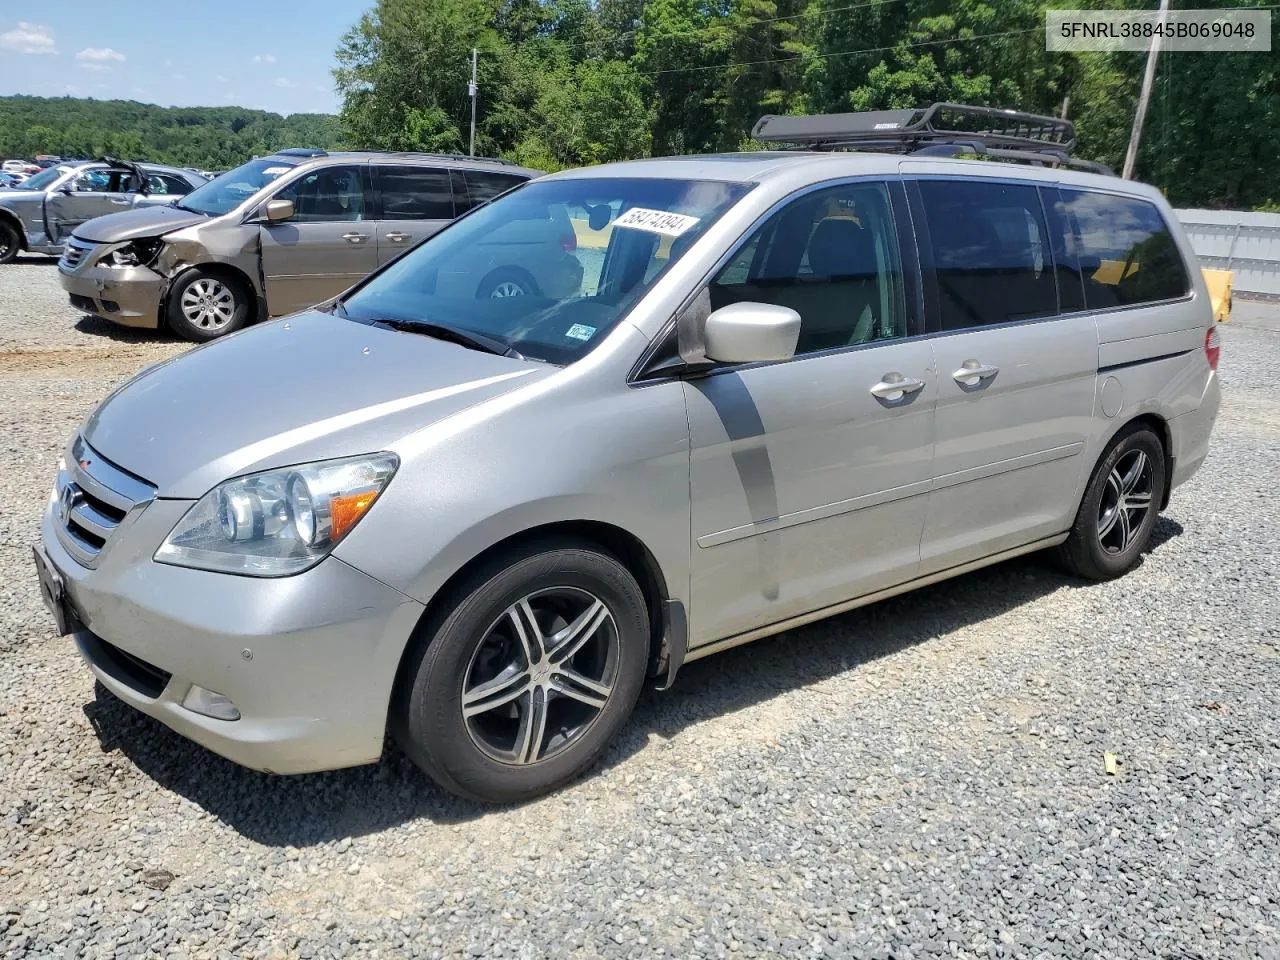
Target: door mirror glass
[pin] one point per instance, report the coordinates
(751, 332)
(279, 210)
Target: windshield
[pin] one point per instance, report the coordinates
(234, 187)
(44, 179)
(549, 268)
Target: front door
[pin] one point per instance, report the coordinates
(1017, 363)
(809, 476)
(91, 193)
(326, 246)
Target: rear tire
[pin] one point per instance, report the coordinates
(10, 242)
(502, 700)
(1119, 509)
(506, 282)
(204, 306)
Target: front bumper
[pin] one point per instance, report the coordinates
(129, 296)
(309, 661)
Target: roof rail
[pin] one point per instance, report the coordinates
(456, 156)
(940, 129)
(300, 152)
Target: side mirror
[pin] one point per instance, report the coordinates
(751, 332)
(279, 210)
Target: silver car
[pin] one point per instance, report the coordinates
(39, 214)
(281, 233)
(791, 384)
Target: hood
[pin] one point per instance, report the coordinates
(149, 221)
(309, 387)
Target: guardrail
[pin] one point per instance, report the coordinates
(1247, 244)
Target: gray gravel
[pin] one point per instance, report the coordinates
(920, 778)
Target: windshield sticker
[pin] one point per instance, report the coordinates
(580, 331)
(657, 221)
(275, 171)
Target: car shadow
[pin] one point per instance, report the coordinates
(34, 260)
(98, 327)
(317, 808)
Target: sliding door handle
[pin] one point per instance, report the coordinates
(972, 373)
(894, 386)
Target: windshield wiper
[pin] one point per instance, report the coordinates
(441, 331)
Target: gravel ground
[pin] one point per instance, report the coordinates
(922, 777)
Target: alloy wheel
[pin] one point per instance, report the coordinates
(1126, 501)
(507, 288)
(541, 675)
(208, 303)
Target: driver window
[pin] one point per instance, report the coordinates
(832, 256)
(327, 195)
(92, 181)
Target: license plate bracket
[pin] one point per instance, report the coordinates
(54, 593)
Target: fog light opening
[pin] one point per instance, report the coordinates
(210, 703)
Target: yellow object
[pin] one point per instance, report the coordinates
(1109, 762)
(1113, 271)
(589, 239)
(1219, 284)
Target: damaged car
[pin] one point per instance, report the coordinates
(39, 214)
(281, 233)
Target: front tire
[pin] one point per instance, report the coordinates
(10, 242)
(204, 306)
(506, 282)
(520, 685)
(1119, 509)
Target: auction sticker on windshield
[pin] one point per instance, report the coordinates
(656, 221)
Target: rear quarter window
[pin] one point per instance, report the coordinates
(1127, 254)
(483, 186)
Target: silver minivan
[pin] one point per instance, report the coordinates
(281, 233)
(789, 384)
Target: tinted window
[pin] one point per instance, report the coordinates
(832, 256)
(163, 184)
(1066, 262)
(483, 187)
(327, 195)
(991, 256)
(1125, 250)
(415, 193)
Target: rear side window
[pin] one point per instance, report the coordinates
(415, 193)
(483, 186)
(163, 184)
(990, 253)
(1126, 253)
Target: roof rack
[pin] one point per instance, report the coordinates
(455, 156)
(942, 129)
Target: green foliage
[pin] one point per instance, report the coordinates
(205, 137)
(571, 82)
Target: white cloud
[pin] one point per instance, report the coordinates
(220, 78)
(71, 89)
(286, 83)
(100, 54)
(28, 38)
(264, 58)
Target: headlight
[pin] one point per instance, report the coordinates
(137, 253)
(279, 522)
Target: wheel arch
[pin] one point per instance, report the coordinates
(1160, 426)
(621, 544)
(214, 268)
(10, 218)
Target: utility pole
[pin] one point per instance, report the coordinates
(1148, 79)
(472, 90)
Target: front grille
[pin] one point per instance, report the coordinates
(122, 666)
(94, 497)
(75, 253)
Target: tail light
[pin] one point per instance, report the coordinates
(569, 242)
(1212, 348)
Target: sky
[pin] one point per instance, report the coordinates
(266, 55)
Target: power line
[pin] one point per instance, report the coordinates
(841, 53)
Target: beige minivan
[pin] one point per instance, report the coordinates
(282, 233)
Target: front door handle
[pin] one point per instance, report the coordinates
(397, 237)
(355, 237)
(119, 200)
(894, 386)
(973, 373)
